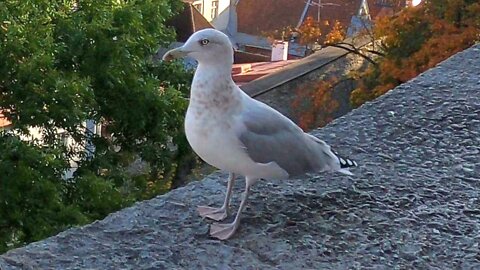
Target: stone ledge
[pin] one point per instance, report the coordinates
(413, 202)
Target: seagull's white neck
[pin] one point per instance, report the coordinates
(213, 87)
(212, 78)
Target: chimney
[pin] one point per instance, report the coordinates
(279, 50)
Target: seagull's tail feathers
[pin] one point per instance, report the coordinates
(345, 163)
(334, 161)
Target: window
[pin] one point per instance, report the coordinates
(214, 12)
(198, 7)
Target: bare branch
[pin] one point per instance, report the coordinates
(376, 52)
(353, 50)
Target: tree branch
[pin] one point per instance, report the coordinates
(355, 50)
(376, 53)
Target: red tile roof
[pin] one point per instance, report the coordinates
(254, 71)
(256, 17)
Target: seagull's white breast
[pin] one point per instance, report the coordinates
(212, 137)
(212, 134)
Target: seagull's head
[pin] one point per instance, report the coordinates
(205, 46)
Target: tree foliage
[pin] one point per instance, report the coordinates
(66, 62)
(337, 34)
(402, 46)
(314, 107)
(31, 204)
(417, 39)
(310, 31)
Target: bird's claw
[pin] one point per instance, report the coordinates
(222, 231)
(217, 214)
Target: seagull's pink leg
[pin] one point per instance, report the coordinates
(225, 231)
(222, 212)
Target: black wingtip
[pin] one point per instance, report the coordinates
(345, 162)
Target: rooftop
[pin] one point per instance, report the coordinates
(278, 14)
(244, 73)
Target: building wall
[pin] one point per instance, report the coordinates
(207, 5)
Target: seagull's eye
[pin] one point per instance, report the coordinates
(204, 42)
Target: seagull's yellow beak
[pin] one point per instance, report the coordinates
(174, 54)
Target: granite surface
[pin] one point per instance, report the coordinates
(413, 202)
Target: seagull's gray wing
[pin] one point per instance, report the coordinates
(269, 136)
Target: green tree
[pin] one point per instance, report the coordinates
(66, 62)
(31, 204)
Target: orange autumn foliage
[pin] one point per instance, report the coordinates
(315, 107)
(310, 31)
(417, 39)
(337, 34)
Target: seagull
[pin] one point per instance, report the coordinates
(240, 135)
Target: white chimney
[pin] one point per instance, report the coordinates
(279, 50)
